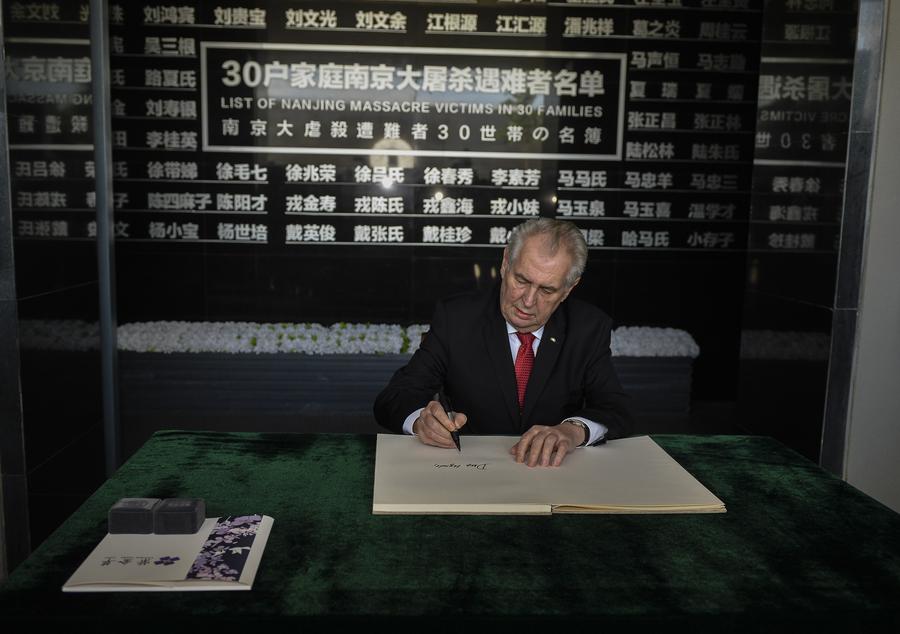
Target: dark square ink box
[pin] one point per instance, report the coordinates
(132, 515)
(179, 516)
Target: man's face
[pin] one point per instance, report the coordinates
(533, 285)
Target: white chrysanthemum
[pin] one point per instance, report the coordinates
(252, 337)
(345, 338)
(638, 341)
(414, 334)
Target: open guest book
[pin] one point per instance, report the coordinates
(631, 475)
(223, 555)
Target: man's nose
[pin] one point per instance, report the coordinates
(530, 296)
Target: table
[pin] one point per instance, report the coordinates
(798, 550)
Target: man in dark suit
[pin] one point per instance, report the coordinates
(520, 359)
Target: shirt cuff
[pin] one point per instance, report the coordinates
(596, 431)
(410, 421)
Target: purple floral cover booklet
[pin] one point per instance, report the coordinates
(223, 555)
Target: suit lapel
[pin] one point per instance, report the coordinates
(496, 341)
(544, 362)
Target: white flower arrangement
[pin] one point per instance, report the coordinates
(250, 337)
(306, 338)
(414, 334)
(641, 341)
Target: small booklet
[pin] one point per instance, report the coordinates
(223, 555)
(631, 475)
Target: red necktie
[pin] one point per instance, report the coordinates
(524, 363)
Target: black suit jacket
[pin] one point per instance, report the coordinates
(467, 352)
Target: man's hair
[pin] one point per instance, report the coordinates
(555, 233)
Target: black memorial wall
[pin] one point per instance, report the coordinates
(796, 215)
(354, 161)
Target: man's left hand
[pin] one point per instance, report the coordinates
(547, 446)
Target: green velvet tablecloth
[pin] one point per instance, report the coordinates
(798, 550)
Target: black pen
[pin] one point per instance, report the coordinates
(445, 403)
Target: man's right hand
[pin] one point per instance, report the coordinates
(433, 426)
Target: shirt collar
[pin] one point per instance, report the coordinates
(510, 330)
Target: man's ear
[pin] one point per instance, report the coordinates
(505, 262)
(569, 290)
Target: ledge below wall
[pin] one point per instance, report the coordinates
(316, 393)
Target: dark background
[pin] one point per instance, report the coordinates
(716, 296)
